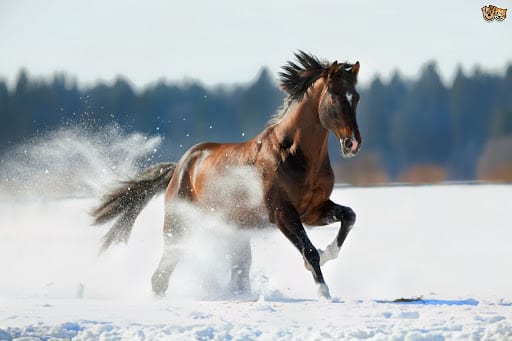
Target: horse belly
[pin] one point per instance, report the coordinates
(236, 193)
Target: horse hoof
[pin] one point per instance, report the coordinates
(323, 293)
(158, 296)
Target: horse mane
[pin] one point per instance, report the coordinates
(296, 78)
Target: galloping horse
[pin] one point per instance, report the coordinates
(288, 160)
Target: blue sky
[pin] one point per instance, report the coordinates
(229, 41)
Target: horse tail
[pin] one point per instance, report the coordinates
(128, 200)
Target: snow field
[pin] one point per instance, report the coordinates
(448, 244)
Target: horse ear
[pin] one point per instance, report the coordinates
(355, 68)
(333, 68)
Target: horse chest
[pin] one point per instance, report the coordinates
(312, 196)
(308, 180)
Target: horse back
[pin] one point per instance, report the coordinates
(237, 177)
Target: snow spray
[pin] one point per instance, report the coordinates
(73, 161)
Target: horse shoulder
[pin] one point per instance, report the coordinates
(307, 182)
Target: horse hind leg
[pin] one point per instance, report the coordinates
(241, 261)
(170, 258)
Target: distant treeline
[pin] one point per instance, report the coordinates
(404, 123)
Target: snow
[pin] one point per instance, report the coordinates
(449, 245)
(278, 319)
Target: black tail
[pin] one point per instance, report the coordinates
(129, 199)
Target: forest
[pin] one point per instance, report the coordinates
(414, 130)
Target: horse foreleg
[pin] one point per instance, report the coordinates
(286, 217)
(329, 213)
(241, 261)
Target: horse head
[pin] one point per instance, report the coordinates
(338, 104)
(337, 99)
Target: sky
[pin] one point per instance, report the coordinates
(229, 41)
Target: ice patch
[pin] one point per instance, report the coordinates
(490, 320)
(198, 315)
(409, 315)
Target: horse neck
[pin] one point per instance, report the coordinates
(302, 125)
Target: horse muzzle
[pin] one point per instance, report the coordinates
(349, 147)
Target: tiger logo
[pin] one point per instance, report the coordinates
(488, 12)
(501, 14)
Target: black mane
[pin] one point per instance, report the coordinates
(297, 79)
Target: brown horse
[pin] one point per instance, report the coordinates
(287, 165)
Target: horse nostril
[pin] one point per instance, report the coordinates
(347, 143)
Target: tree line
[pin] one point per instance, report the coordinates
(404, 122)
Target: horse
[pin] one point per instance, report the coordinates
(288, 160)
